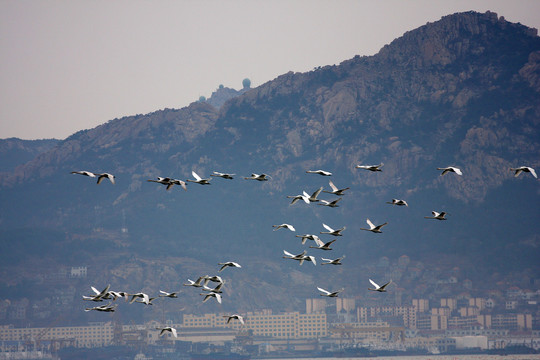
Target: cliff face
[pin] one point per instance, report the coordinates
(461, 91)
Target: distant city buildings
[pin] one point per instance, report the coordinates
(94, 335)
(78, 272)
(450, 316)
(452, 324)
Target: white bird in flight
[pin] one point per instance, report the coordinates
(145, 299)
(118, 294)
(370, 167)
(309, 258)
(373, 228)
(164, 181)
(202, 280)
(288, 255)
(198, 179)
(216, 289)
(223, 175)
(377, 287)
(437, 215)
(210, 295)
(308, 236)
(84, 172)
(258, 177)
(100, 177)
(333, 261)
(214, 278)
(235, 316)
(329, 203)
(448, 169)
(397, 202)
(169, 182)
(329, 293)
(332, 231)
(320, 172)
(167, 294)
(521, 169)
(228, 264)
(179, 182)
(169, 329)
(300, 257)
(335, 189)
(108, 295)
(313, 197)
(323, 246)
(295, 198)
(98, 295)
(284, 226)
(142, 295)
(105, 308)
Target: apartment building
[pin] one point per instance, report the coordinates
(94, 335)
(291, 325)
(507, 321)
(407, 313)
(344, 304)
(315, 306)
(450, 303)
(370, 331)
(421, 305)
(439, 343)
(463, 321)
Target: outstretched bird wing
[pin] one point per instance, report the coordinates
(288, 253)
(196, 176)
(370, 224)
(385, 285)
(323, 291)
(334, 187)
(374, 284)
(328, 228)
(316, 193)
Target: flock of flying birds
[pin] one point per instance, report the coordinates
(215, 292)
(202, 282)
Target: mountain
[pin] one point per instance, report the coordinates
(461, 91)
(15, 152)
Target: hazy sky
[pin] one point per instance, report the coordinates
(72, 65)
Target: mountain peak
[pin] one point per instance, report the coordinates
(441, 42)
